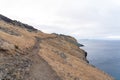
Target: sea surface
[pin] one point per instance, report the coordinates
(104, 54)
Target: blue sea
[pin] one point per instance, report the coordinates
(104, 54)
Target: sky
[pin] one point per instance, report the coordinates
(83, 19)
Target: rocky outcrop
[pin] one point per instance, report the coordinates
(11, 32)
(18, 23)
(6, 46)
(29, 54)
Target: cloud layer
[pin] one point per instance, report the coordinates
(79, 18)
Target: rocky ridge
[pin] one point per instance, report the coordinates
(29, 54)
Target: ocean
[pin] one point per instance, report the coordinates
(104, 54)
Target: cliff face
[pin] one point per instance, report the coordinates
(29, 54)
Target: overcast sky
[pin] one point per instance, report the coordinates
(79, 18)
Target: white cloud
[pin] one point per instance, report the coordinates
(84, 18)
(113, 37)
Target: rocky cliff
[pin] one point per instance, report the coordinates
(29, 54)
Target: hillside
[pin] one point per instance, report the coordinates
(30, 54)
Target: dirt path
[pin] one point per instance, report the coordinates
(40, 69)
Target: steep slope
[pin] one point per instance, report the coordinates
(29, 54)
